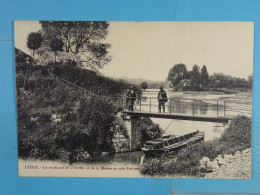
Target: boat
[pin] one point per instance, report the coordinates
(164, 144)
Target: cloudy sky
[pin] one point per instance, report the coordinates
(148, 50)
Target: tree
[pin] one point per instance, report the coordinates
(195, 78)
(97, 114)
(82, 39)
(34, 41)
(176, 74)
(56, 45)
(204, 78)
(144, 85)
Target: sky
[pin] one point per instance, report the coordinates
(147, 50)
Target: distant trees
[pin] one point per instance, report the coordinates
(220, 81)
(204, 78)
(144, 85)
(195, 78)
(176, 74)
(34, 41)
(199, 79)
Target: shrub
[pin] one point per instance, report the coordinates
(98, 115)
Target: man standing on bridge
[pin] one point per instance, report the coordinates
(131, 98)
(162, 99)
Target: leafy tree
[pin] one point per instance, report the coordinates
(195, 78)
(56, 45)
(176, 74)
(204, 78)
(98, 115)
(83, 40)
(34, 41)
(144, 85)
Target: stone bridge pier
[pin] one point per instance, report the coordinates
(134, 134)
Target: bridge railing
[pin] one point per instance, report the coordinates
(193, 107)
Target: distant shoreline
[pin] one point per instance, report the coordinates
(200, 92)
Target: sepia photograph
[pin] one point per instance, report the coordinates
(134, 99)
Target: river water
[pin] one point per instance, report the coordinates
(190, 103)
(207, 104)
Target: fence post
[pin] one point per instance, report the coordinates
(170, 106)
(150, 105)
(217, 108)
(193, 107)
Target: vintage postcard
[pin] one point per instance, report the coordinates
(134, 99)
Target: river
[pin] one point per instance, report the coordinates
(186, 103)
(197, 104)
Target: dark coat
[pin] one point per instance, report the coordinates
(131, 96)
(163, 98)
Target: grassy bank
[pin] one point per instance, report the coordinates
(186, 162)
(57, 121)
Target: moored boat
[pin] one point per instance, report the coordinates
(171, 142)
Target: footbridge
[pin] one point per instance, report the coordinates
(208, 110)
(203, 110)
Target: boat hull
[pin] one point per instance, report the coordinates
(156, 148)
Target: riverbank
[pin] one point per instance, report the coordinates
(236, 166)
(188, 161)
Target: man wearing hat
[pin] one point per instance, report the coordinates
(131, 98)
(162, 99)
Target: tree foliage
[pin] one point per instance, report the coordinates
(34, 41)
(82, 39)
(98, 115)
(204, 78)
(176, 74)
(56, 45)
(219, 81)
(144, 85)
(195, 78)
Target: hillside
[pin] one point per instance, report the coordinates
(59, 121)
(67, 113)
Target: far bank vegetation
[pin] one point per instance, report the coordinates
(199, 80)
